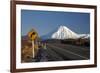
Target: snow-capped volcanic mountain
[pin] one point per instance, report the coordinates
(64, 33)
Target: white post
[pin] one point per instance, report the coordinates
(33, 48)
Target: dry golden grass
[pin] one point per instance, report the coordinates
(27, 53)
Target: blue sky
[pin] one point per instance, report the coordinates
(45, 22)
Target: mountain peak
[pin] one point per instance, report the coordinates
(64, 32)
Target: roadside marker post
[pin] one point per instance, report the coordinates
(33, 48)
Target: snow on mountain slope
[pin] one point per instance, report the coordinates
(84, 36)
(64, 33)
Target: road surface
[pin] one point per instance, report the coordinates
(62, 52)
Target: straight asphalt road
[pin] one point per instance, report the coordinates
(61, 52)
